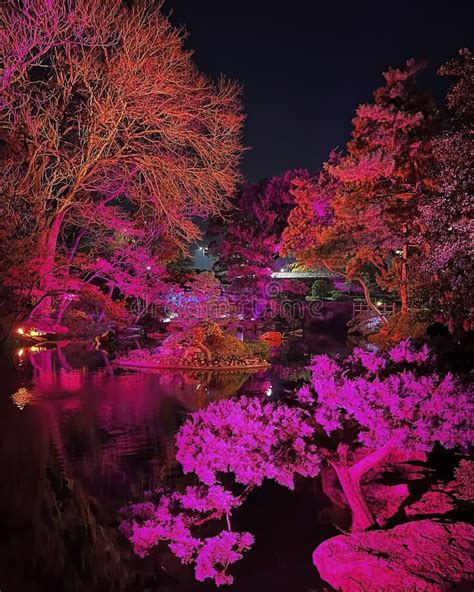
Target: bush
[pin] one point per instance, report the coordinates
(321, 288)
(400, 326)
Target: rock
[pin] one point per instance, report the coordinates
(421, 556)
(431, 502)
(385, 500)
(406, 466)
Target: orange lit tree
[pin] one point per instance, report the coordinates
(106, 121)
(356, 218)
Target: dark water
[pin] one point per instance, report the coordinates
(79, 439)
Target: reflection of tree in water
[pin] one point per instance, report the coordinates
(53, 531)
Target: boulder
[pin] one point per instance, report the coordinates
(421, 556)
(431, 502)
(385, 500)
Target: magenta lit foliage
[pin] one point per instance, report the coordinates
(394, 396)
(247, 437)
(175, 517)
(254, 440)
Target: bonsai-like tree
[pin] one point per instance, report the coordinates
(396, 400)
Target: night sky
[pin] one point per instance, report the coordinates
(306, 65)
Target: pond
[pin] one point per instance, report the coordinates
(80, 439)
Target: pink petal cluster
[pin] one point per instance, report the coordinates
(175, 519)
(218, 552)
(393, 396)
(253, 439)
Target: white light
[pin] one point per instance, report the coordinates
(269, 391)
(148, 267)
(282, 269)
(20, 352)
(21, 331)
(379, 303)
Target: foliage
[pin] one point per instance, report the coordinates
(395, 396)
(205, 345)
(199, 300)
(356, 217)
(92, 311)
(463, 484)
(176, 517)
(321, 288)
(445, 271)
(113, 142)
(396, 399)
(402, 325)
(248, 247)
(254, 440)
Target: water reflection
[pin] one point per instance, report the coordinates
(79, 439)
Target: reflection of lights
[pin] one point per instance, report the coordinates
(30, 333)
(20, 352)
(398, 251)
(36, 348)
(379, 303)
(282, 269)
(35, 333)
(269, 391)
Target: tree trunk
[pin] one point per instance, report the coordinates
(368, 300)
(49, 251)
(361, 515)
(46, 270)
(350, 477)
(404, 280)
(365, 288)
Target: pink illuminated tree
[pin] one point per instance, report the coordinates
(357, 218)
(399, 402)
(106, 120)
(252, 439)
(372, 403)
(249, 246)
(445, 272)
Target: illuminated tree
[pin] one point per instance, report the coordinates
(356, 218)
(200, 299)
(104, 117)
(373, 404)
(250, 245)
(445, 272)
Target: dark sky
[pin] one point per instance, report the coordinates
(306, 65)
